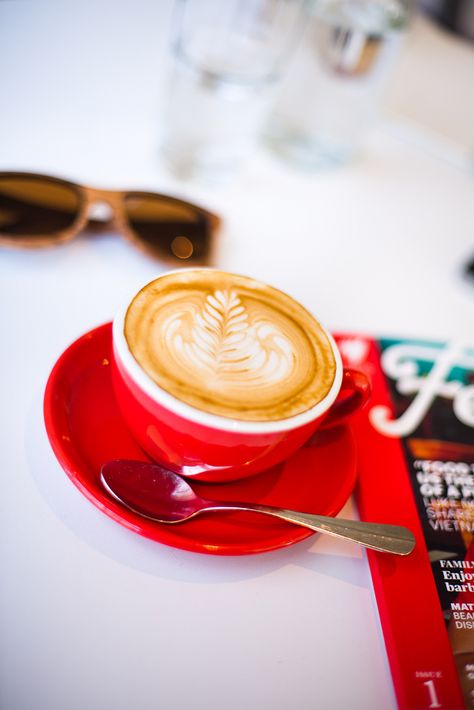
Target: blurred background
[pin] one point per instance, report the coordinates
(111, 94)
(91, 80)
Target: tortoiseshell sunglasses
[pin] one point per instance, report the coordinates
(40, 211)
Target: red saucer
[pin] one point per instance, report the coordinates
(86, 429)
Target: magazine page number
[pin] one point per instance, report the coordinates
(434, 702)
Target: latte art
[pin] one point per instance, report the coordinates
(229, 345)
(224, 343)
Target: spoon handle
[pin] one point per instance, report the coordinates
(378, 536)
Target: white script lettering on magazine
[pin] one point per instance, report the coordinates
(402, 363)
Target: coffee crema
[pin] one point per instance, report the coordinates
(230, 345)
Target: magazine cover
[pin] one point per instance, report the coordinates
(416, 453)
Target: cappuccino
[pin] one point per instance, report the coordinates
(230, 345)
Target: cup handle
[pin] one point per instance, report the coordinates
(354, 393)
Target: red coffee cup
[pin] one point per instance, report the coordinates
(211, 447)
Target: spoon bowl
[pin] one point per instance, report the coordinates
(159, 494)
(151, 490)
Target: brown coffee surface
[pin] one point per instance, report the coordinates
(230, 345)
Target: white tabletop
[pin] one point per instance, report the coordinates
(93, 616)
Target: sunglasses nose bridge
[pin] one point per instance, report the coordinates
(103, 207)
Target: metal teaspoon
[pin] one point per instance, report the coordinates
(164, 496)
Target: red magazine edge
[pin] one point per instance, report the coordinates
(418, 649)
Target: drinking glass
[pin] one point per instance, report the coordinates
(330, 96)
(227, 56)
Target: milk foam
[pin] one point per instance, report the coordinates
(224, 343)
(229, 345)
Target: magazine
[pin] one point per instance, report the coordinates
(416, 468)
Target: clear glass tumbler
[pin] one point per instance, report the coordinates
(331, 94)
(227, 56)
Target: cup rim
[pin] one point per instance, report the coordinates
(215, 421)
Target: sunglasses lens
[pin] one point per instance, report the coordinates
(168, 227)
(35, 207)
